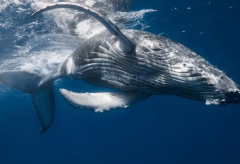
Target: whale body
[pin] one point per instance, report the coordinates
(137, 63)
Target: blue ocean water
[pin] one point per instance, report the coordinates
(161, 129)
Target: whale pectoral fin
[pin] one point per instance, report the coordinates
(100, 102)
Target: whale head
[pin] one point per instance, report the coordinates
(171, 68)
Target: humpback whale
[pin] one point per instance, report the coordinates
(136, 63)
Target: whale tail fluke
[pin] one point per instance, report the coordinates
(42, 96)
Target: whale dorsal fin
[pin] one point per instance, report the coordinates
(126, 44)
(104, 101)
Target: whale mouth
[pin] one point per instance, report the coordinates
(232, 97)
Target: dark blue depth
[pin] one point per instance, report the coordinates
(160, 130)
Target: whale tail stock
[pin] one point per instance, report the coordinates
(42, 95)
(41, 89)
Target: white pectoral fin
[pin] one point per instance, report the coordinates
(102, 101)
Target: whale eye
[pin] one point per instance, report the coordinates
(144, 49)
(157, 46)
(156, 49)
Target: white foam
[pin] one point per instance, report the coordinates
(89, 28)
(54, 49)
(30, 51)
(5, 3)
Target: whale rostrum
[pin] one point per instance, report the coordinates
(136, 63)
